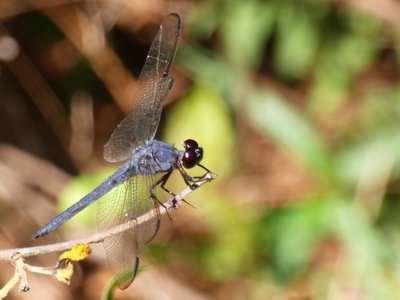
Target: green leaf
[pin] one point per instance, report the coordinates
(244, 31)
(276, 118)
(291, 235)
(370, 158)
(208, 69)
(342, 58)
(298, 40)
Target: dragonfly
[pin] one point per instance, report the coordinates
(130, 192)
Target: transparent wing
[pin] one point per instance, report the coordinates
(125, 202)
(152, 88)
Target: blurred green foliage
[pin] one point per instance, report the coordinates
(329, 49)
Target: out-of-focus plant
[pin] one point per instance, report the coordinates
(343, 132)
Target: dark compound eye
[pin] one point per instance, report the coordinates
(193, 154)
(189, 159)
(190, 144)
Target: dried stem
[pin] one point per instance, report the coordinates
(17, 255)
(96, 238)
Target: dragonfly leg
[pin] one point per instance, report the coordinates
(175, 206)
(204, 168)
(191, 181)
(161, 182)
(196, 178)
(164, 181)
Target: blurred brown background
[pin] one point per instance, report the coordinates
(296, 104)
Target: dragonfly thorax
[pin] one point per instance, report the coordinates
(155, 157)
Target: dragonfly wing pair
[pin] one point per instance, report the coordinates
(126, 202)
(132, 198)
(153, 85)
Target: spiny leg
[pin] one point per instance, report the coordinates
(172, 194)
(204, 168)
(190, 181)
(164, 181)
(161, 181)
(197, 178)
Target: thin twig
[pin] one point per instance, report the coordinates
(171, 204)
(19, 263)
(19, 276)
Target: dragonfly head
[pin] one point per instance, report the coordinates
(192, 155)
